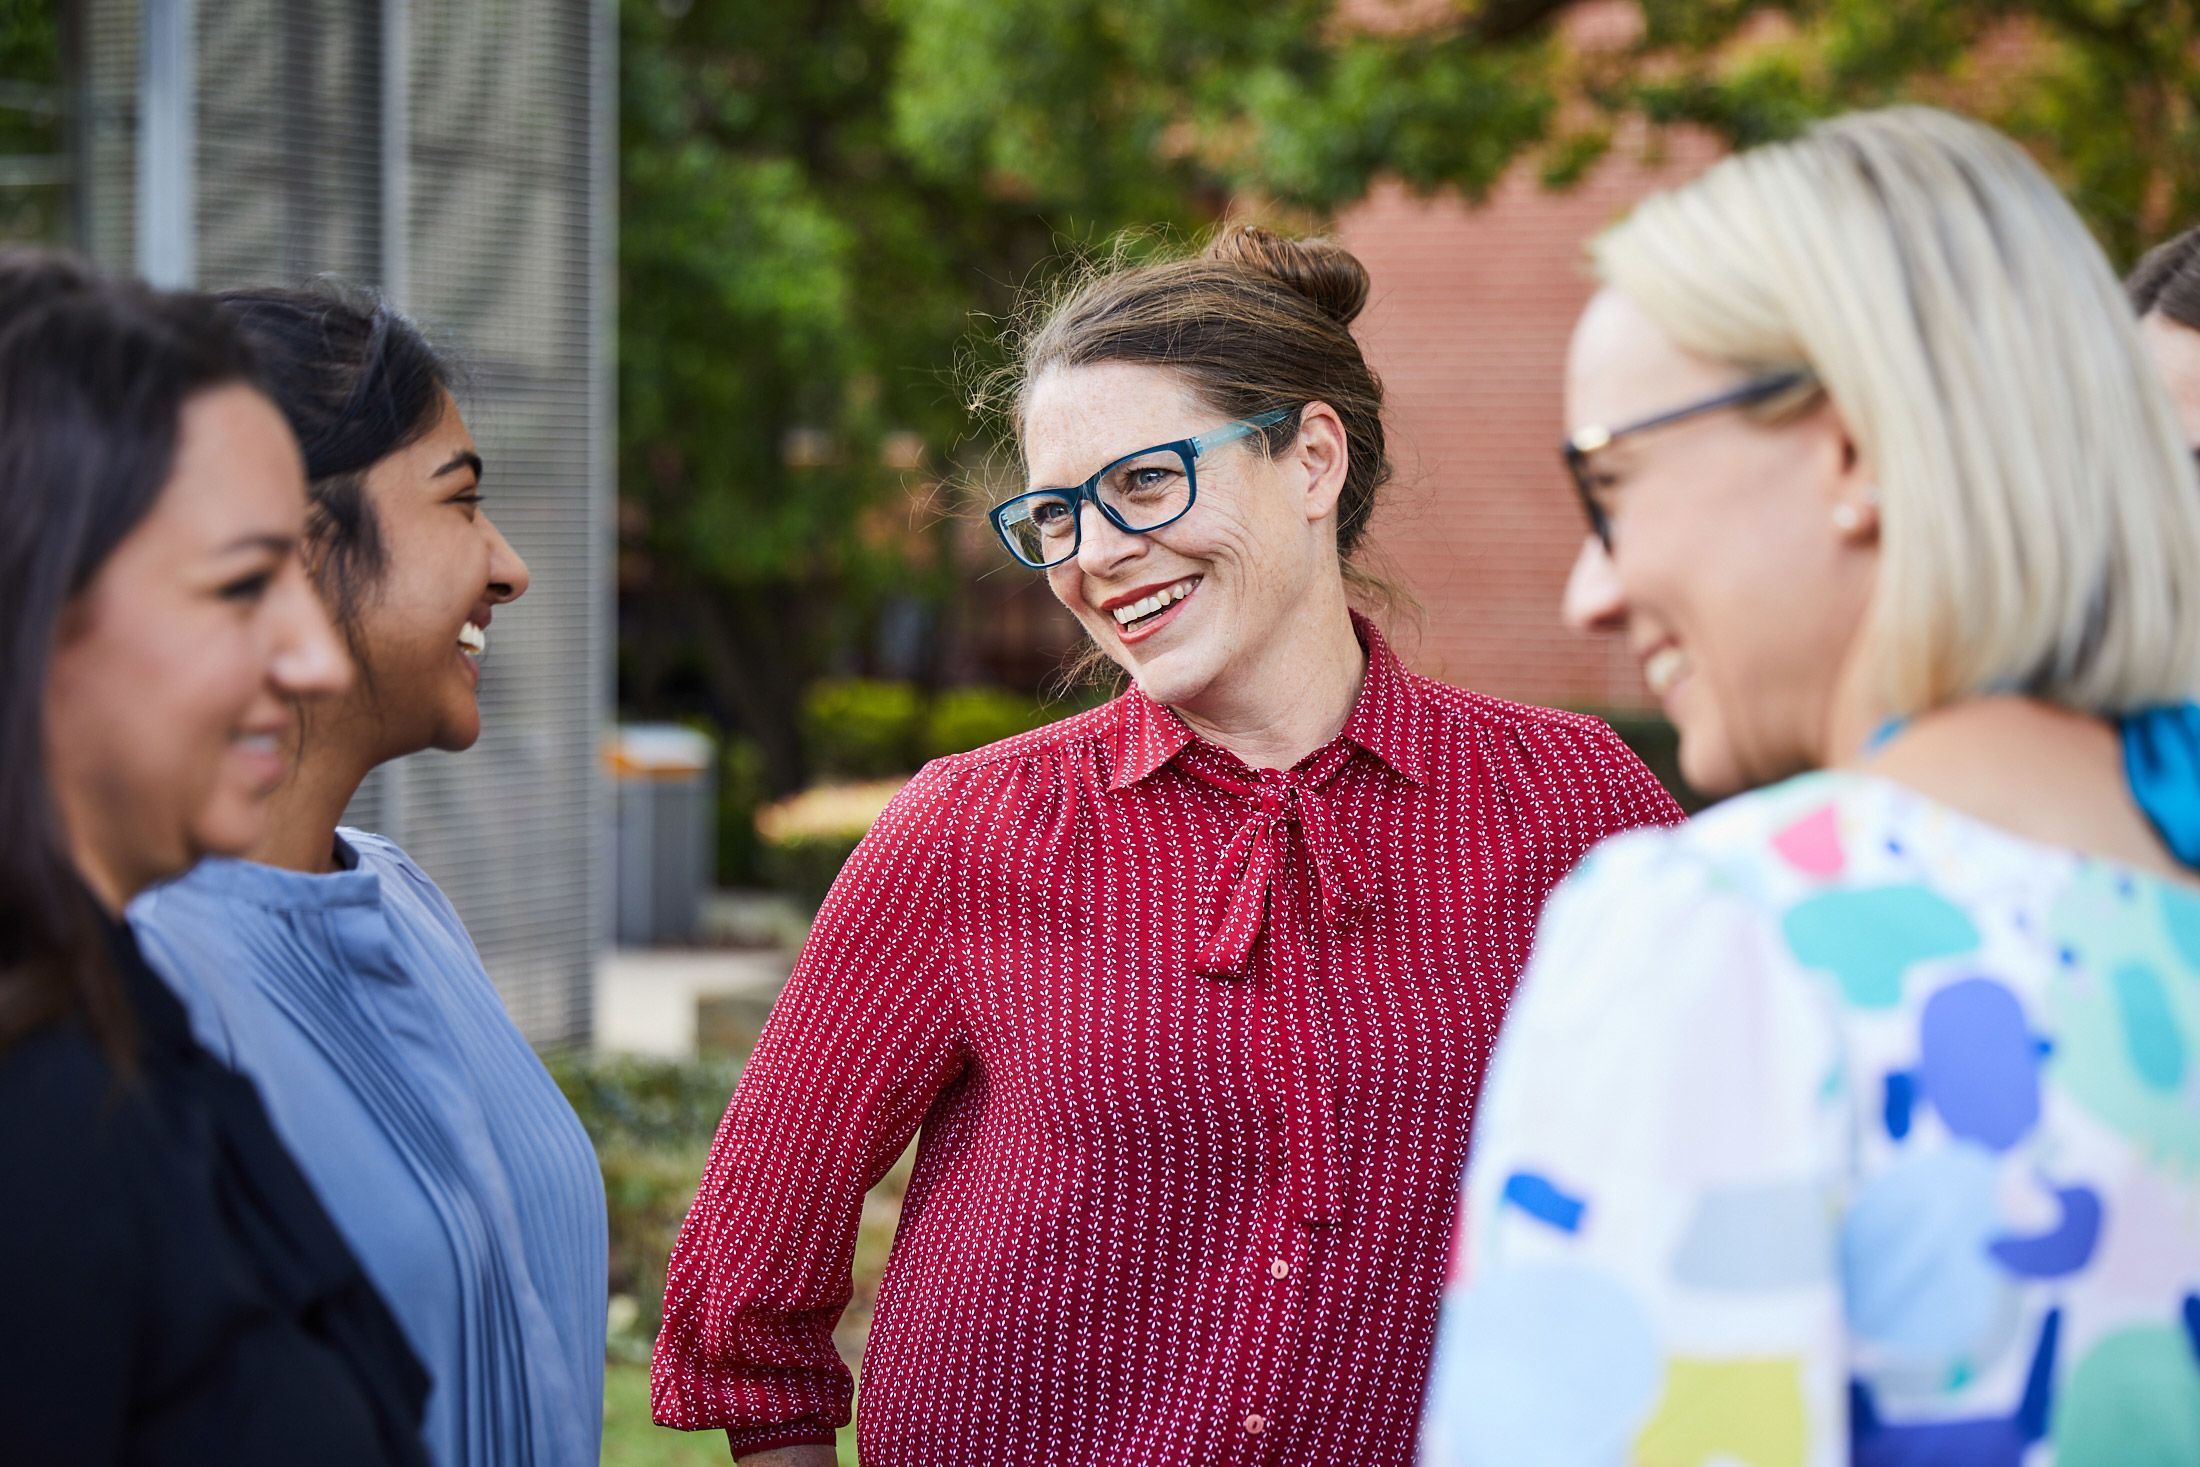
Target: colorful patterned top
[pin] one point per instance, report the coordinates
(1837, 1123)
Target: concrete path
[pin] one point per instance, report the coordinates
(647, 998)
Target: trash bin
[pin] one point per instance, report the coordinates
(665, 799)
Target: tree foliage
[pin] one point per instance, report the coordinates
(33, 154)
(819, 201)
(1309, 103)
(794, 293)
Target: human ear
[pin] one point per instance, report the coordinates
(1854, 490)
(1322, 454)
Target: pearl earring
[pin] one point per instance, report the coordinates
(1847, 518)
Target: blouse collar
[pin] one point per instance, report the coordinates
(1385, 721)
(276, 888)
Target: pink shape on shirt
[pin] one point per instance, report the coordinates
(1812, 844)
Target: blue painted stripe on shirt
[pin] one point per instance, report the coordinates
(1543, 1200)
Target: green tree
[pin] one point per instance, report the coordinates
(793, 297)
(1309, 103)
(33, 151)
(818, 200)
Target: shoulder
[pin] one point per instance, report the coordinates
(73, 1122)
(403, 882)
(1026, 767)
(1705, 903)
(182, 909)
(1754, 851)
(1770, 848)
(197, 943)
(1043, 749)
(1663, 979)
(56, 1071)
(1465, 711)
(385, 858)
(951, 806)
(1548, 756)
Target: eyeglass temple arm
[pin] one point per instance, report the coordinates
(1593, 437)
(1238, 430)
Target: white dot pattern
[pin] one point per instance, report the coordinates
(1194, 1048)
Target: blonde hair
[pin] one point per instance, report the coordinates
(2040, 519)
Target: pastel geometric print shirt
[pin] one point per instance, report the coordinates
(1837, 1127)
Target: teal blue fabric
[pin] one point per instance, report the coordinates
(433, 1134)
(2162, 761)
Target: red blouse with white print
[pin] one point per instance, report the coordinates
(1194, 1048)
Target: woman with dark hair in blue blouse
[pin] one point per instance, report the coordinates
(330, 969)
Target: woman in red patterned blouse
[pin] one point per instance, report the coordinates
(1190, 994)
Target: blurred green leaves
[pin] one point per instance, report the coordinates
(825, 207)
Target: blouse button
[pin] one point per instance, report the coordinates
(1255, 1424)
(1279, 1269)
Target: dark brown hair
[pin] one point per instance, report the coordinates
(2167, 279)
(1253, 322)
(94, 377)
(357, 381)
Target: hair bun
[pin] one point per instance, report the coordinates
(1325, 273)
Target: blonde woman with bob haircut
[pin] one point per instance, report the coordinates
(1859, 1120)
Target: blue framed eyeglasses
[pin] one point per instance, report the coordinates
(1139, 493)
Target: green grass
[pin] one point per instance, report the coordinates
(631, 1439)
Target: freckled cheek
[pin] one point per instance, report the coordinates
(1068, 586)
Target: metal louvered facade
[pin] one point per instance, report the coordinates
(455, 154)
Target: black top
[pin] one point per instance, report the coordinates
(171, 1290)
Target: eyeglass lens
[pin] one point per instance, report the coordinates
(1143, 492)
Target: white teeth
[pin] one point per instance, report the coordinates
(258, 743)
(1148, 605)
(473, 639)
(1666, 666)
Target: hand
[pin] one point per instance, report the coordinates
(804, 1456)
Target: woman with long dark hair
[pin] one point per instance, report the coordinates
(174, 1291)
(330, 969)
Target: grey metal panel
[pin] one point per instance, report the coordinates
(509, 214)
(106, 100)
(474, 184)
(289, 114)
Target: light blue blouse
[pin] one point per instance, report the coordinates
(440, 1144)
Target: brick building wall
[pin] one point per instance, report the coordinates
(1467, 323)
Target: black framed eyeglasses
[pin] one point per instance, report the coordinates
(1139, 493)
(1583, 442)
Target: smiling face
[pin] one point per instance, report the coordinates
(422, 628)
(1740, 592)
(169, 707)
(1202, 612)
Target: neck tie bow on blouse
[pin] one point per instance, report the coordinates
(1245, 872)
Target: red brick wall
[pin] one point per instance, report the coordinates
(1467, 324)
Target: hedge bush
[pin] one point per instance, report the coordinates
(962, 719)
(651, 1122)
(809, 837)
(864, 738)
(858, 729)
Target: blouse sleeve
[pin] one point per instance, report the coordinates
(863, 1038)
(1647, 1268)
(1636, 798)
